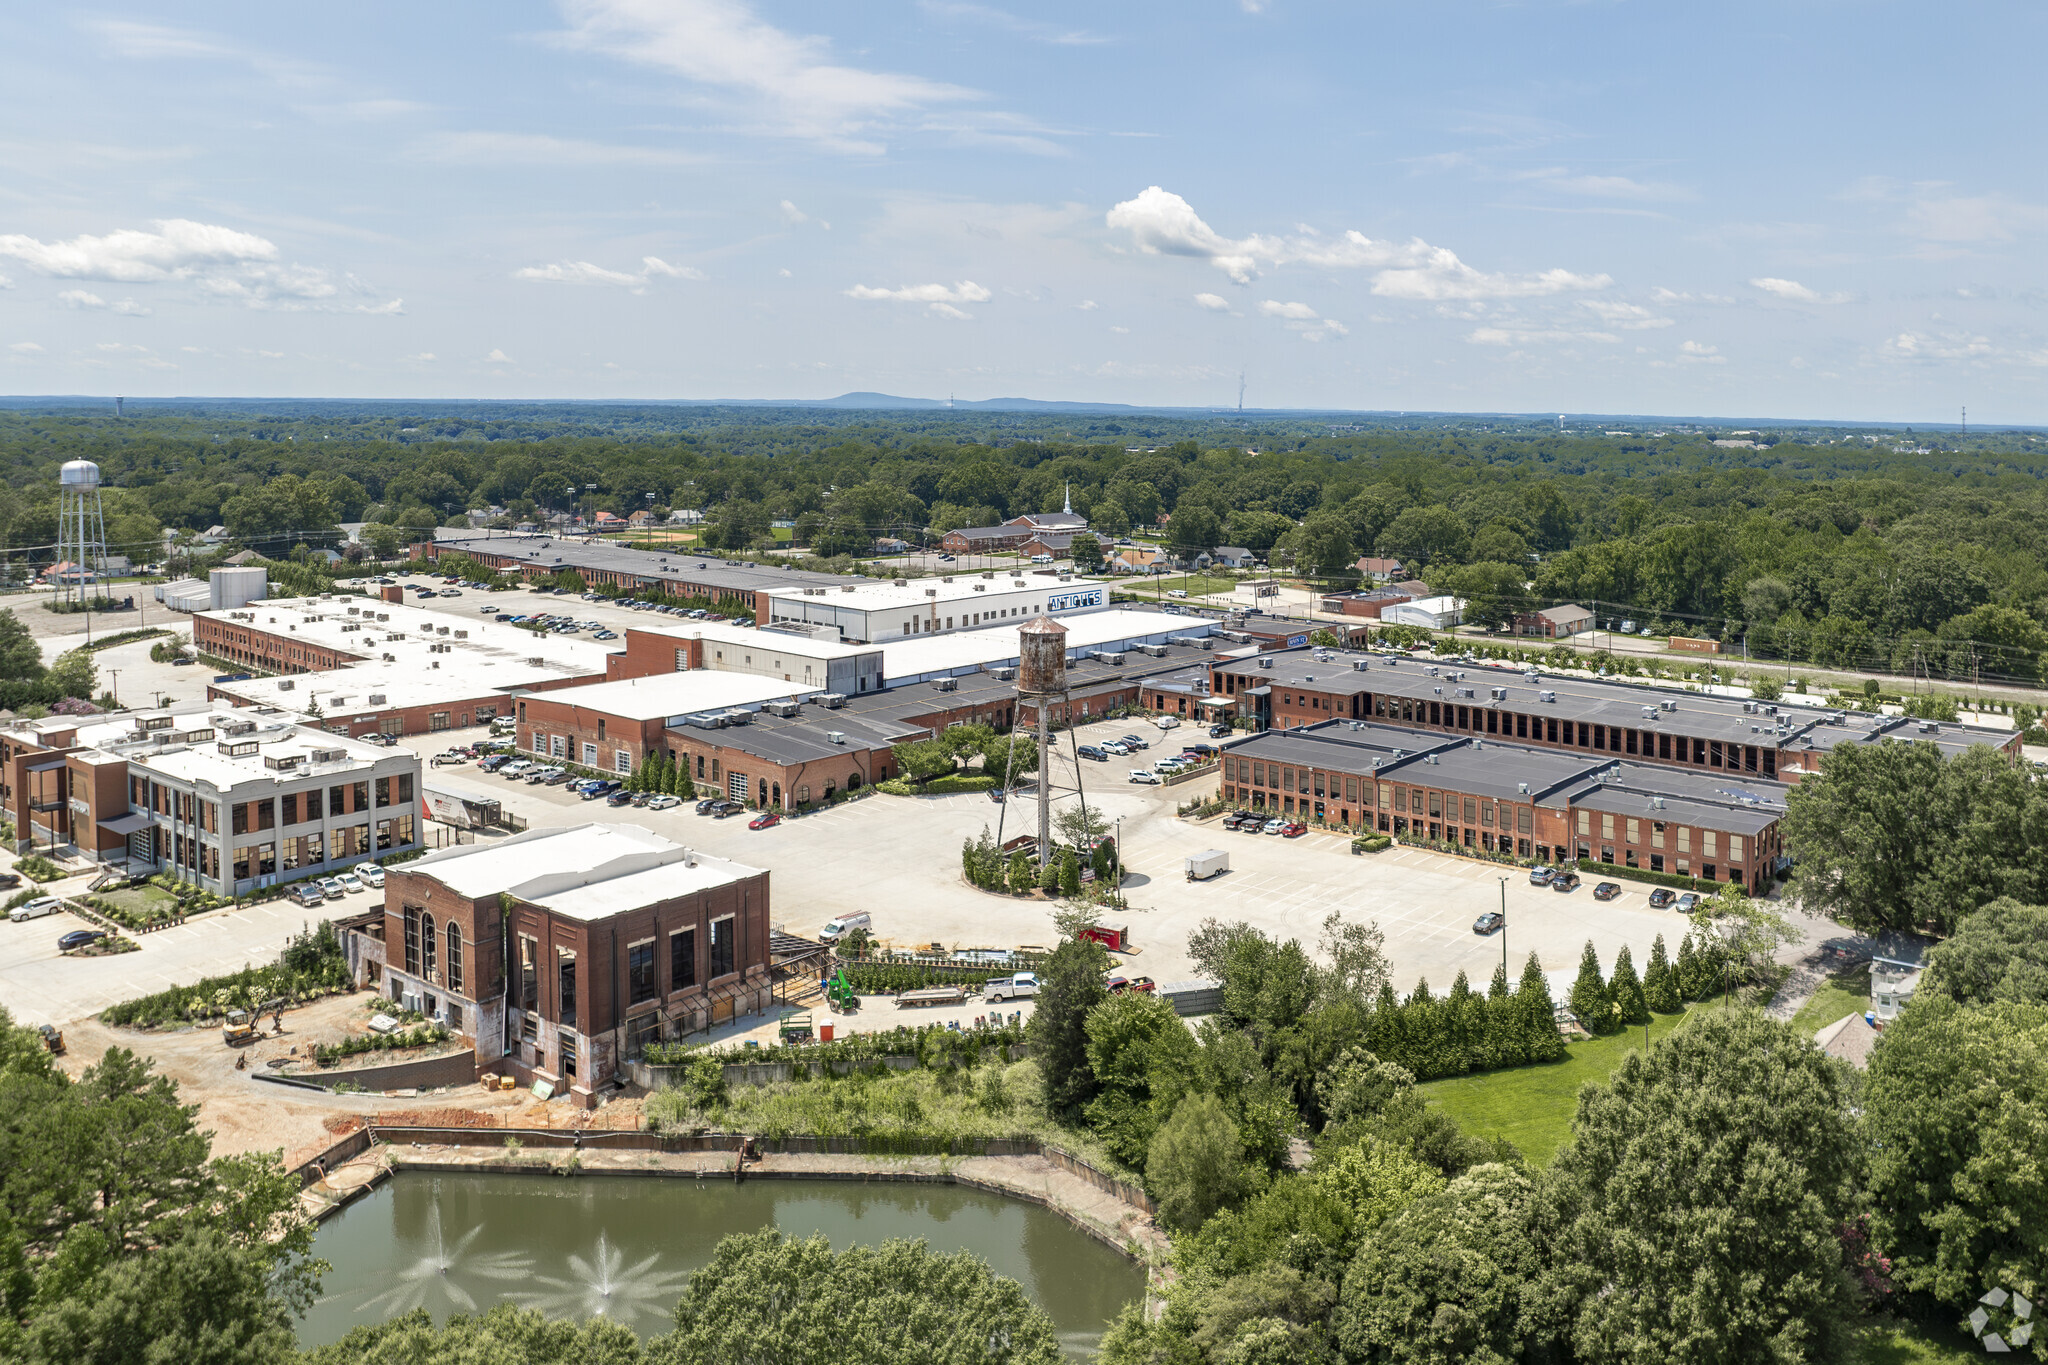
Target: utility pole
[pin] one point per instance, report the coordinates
(1503, 926)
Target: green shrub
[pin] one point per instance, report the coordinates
(37, 868)
(311, 965)
(327, 1054)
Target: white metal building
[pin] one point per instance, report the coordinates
(876, 612)
(1430, 613)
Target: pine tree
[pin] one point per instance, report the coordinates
(1541, 1042)
(1626, 991)
(1023, 876)
(1422, 1021)
(970, 866)
(1070, 873)
(1589, 999)
(1465, 1011)
(1688, 971)
(1385, 1035)
(1660, 987)
(1502, 1042)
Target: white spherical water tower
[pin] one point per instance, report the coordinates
(81, 532)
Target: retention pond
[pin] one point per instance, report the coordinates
(624, 1246)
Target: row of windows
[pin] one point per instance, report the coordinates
(422, 946)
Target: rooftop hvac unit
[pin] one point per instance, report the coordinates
(738, 717)
(1265, 661)
(1547, 695)
(1435, 672)
(286, 685)
(1438, 691)
(1522, 787)
(1748, 708)
(1499, 693)
(238, 727)
(947, 684)
(383, 616)
(327, 755)
(1110, 657)
(702, 722)
(535, 661)
(784, 708)
(1467, 692)
(377, 698)
(1670, 706)
(1356, 724)
(1656, 803)
(1005, 674)
(1361, 665)
(899, 582)
(836, 736)
(833, 700)
(1649, 713)
(1155, 651)
(462, 635)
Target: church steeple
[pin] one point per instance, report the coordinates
(1069, 508)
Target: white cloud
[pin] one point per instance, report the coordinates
(498, 357)
(220, 261)
(25, 348)
(1121, 331)
(794, 215)
(1794, 291)
(538, 149)
(1513, 336)
(584, 272)
(6, 283)
(1010, 23)
(1699, 353)
(1272, 308)
(80, 298)
(423, 356)
(1604, 186)
(940, 297)
(786, 273)
(1215, 303)
(1916, 346)
(1086, 306)
(1629, 316)
(1164, 224)
(787, 83)
(1975, 218)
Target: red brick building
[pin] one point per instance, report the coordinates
(560, 952)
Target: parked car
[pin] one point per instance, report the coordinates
(1662, 897)
(1294, 830)
(640, 800)
(1092, 754)
(665, 802)
(490, 763)
(591, 793)
(621, 797)
(371, 874)
(1541, 874)
(516, 768)
(448, 758)
(332, 888)
(1219, 732)
(350, 882)
(1566, 880)
(1022, 986)
(555, 778)
(451, 592)
(767, 819)
(35, 909)
(1606, 891)
(183, 661)
(305, 895)
(1687, 903)
(9, 880)
(1144, 777)
(726, 809)
(78, 938)
(1274, 825)
(1115, 746)
(1136, 741)
(1492, 922)
(707, 805)
(540, 775)
(1168, 722)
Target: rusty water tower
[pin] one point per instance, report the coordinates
(1042, 678)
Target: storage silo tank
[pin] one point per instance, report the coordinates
(1041, 658)
(79, 474)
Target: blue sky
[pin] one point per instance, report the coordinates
(1796, 209)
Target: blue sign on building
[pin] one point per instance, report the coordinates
(1073, 601)
(1296, 641)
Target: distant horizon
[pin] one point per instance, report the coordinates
(880, 403)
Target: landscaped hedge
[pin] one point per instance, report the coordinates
(1592, 868)
(312, 965)
(933, 1045)
(888, 978)
(37, 868)
(327, 1054)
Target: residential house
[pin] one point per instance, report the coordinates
(1378, 570)
(1231, 557)
(1554, 623)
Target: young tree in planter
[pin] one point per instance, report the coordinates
(1626, 991)
(1049, 876)
(1660, 986)
(1023, 875)
(1589, 999)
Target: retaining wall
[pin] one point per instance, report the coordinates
(426, 1073)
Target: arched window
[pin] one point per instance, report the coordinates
(428, 944)
(454, 956)
(853, 783)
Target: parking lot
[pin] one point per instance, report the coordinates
(899, 858)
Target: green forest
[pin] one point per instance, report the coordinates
(1914, 553)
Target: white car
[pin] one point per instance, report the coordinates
(350, 882)
(516, 768)
(332, 888)
(1168, 722)
(1114, 746)
(35, 909)
(371, 874)
(1176, 592)
(665, 802)
(1022, 986)
(1273, 826)
(1145, 777)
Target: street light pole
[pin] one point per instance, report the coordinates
(1503, 926)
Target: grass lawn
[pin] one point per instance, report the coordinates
(1914, 1343)
(140, 899)
(1532, 1106)
(1848, 993)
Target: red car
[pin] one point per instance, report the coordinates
(1295, 829)
(767, 819)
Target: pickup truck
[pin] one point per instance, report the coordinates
(1022, 986)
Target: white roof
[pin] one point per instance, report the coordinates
(588, 872)
(664, 695)
(917, 592)
(275, 738)
(994, 646)
(803, 646)
(1440, 606)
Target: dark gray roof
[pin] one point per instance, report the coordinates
(554, 552)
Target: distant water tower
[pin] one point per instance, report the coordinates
(81, 532)
(1042, 678)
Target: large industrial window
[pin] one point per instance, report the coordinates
(428, 946)
(640, 986)
(682, 959)
(412, 939)
(383, 792)
(722, 947)
(454, 956)
(529, 975)
(565, 973)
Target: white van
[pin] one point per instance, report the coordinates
(846, 924)
(1041, 559)
(35, 909)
